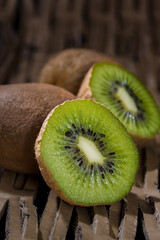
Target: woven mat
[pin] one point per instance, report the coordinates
(30, 32)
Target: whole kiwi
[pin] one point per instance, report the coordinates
(23, 108)
(68, 67)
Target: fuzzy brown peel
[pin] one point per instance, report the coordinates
(23, 109)
(68, 67)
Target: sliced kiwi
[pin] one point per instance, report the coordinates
(85, 154)
(126, 96)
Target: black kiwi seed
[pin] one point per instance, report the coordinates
(110, 171)
(79, 159)
(111, 163)
(102, 175)
(92, 167)
(111, 153)
(128, 88)
(88, 131)
(102, 135)
(73, 126)
(77, 150)
(74, 157)
(100, 142)
(94, 139)
(94, 134)
(68, 134)
(83, 131)
(67, 147)
(80, 163)
(140, 116)
(131, 94)
(101, 169)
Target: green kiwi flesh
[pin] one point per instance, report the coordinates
(126, 96)
(86, 155)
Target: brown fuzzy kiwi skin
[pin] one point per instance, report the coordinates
(141, 142)
(46, 173)
(23, 108)
(156, 143)
(68, 67)
(85, 93)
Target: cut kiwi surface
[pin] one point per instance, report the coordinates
(85, 154)
(126, 96)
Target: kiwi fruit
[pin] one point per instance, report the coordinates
(23, 108)
(68, 67)
(85, 154)
(126, 96)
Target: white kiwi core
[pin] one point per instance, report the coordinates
(126, 100)
(90, 150)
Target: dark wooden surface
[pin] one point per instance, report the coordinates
(31, 31)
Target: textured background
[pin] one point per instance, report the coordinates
(31, 31)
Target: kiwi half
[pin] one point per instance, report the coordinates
(126, 96)
(85, 154)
